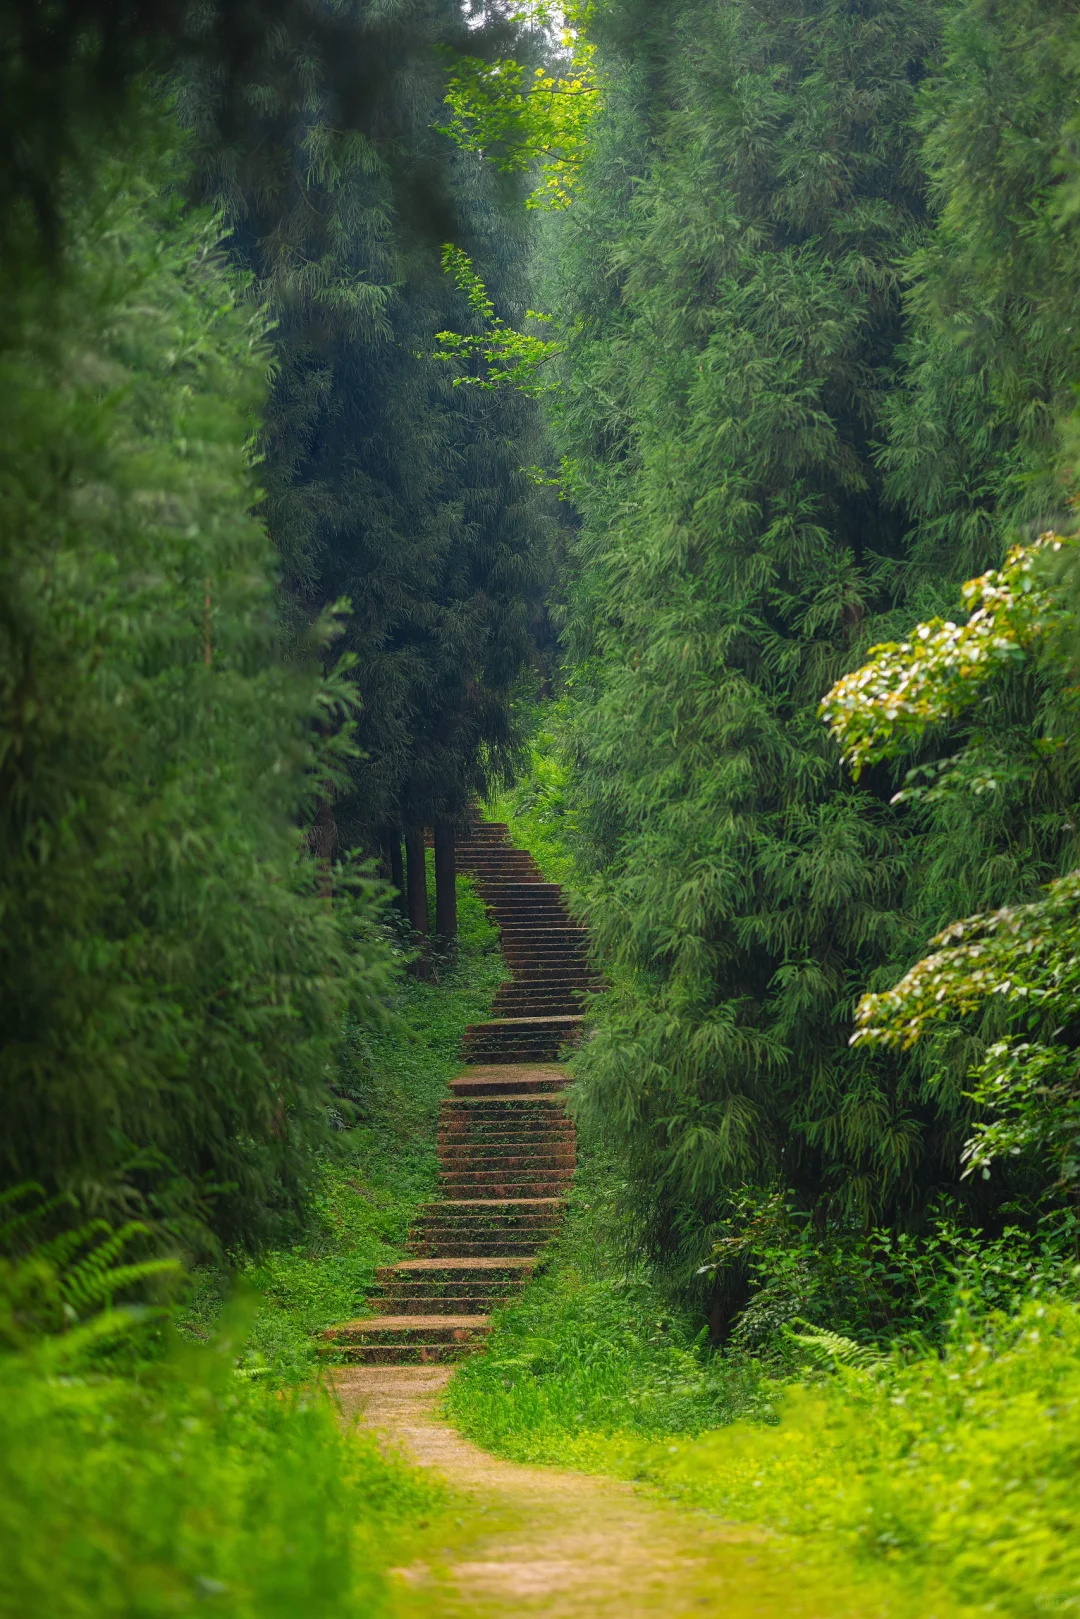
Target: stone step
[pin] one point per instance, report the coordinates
(500, 1118)
(507, 1159)
(409, 1289)
(459, 1270)
(522, 1151)
(546, 1002)
(503, 1081)
(517, 1051)
(500, 1247)
(564, 1005)
(462, 1305)
(515, 1137)
(540, 1036)
(530, 1112)
(542, 944)
(385, 1328)
(550, 1150)
(492, 1048)
(476, 1180)
(534, 1185)
(436, 1287)
(527, 988)
(542, 1165)
(485, 1219)
(403, 1354)
(521, 1025)
(537, 1104)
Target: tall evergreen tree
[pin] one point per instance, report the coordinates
(772, 475)
(388, 486)
(171, 986)
(754, 187)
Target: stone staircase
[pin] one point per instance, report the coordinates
(506, 1146)
(539, 1009)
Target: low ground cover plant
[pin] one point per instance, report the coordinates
(143, 1474)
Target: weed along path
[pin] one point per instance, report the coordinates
(538, 1540)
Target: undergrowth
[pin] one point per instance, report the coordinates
(595, 1345)
(144, 1474)
(946, 1467)
(192, 1491)
(389, 1089)
(956, 1473)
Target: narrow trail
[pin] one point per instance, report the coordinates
(565, 1545)
(534, 1540)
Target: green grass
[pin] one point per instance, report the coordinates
(216, 1476)
(537, 809)
(190, 1490)
(595, 1346)
(949, 1475)
(956, 1475)
(385, 1166)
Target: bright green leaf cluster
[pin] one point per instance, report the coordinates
(1023, 953)
(943, 669)
(520, 120)
(510, 358)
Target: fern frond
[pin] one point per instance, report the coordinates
(833, 1348)
(99, 1285)
(70, 1349)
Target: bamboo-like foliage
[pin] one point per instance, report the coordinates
(171, 986)
(756, 419)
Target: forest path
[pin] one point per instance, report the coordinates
(568, 1545)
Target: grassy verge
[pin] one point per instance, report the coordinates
(391, 1085)
(190, 1491)
(947, 1480)
(594, 1346)
(537, 808)
(954, 1475)
(170, 1479)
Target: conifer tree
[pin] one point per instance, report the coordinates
(777, 460)
(730, 270)
(387, 486)
(172, 986)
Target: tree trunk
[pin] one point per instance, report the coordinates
(322, 842)
(416, 888)
(445, 886)
(397, 868)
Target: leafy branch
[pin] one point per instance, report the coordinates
(510, 358)
(1028, 956)
(519, 120)
(944, 668)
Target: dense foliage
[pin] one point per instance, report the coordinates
(172, 988)
(810, 294)
(187, 1484)
(386, 485)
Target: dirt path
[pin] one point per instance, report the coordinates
(565, 1545)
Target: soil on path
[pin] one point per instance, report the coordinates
(539, 1540)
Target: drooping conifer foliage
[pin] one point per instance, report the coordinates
(783, 400)
(387, 486)
(172, 986)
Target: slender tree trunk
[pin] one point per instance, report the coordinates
(322, 842)
(416, 889)
(445, 886)
(397, 868)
